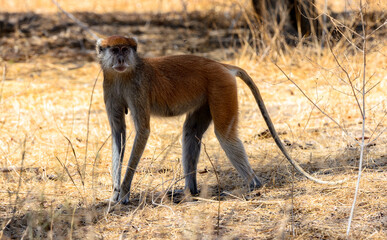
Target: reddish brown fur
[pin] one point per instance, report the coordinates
(182, 79)
(118, 40)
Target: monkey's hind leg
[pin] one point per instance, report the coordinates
(236, 153)
(224, 111)
(195, 125)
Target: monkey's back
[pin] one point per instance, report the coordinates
(182, 83)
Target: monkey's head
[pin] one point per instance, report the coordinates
(117, 53)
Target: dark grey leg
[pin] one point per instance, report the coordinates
(117, 123)
(141, 123)
(195, 125)
(137, 151)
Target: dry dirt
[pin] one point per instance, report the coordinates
(55, 157)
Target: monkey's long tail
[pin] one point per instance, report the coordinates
(257, 95)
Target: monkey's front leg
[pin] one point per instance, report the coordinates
(118, 127)
(142, 134)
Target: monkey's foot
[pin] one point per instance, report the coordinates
(124, 197)
(116, 195)
(255, 184)
(180, 195)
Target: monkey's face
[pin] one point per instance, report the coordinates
(117, 53)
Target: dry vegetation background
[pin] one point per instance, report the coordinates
(55, 157)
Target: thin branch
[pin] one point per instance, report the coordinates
(311, 101)
(81, 24)
(217, 179)
(337, 22)
(14, 209)
(324, 27)
(309, 117)
(95, 162)
(332, 72)
(23, 155)
(3, 80)
(349, 79)
(71, 133)
(376, 84)
(382, 25)
(68, 173)
(366, 83)
(377, 126)
(76, 159)
(364, 118)
(373, 140)
(88, 121)
(342, 34)
(166, 149)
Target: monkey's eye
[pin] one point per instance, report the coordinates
(100, 49)
(115, 50)
(124, 49)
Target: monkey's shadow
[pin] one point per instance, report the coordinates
(230, 186)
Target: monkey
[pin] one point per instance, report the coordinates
(203, 89)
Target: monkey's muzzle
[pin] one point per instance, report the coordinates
(120, 67)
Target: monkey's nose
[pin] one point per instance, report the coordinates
(120, 60)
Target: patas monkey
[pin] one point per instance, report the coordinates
(203, 89)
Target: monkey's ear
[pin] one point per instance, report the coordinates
(135, 42)
(135, 39)
(98, 46)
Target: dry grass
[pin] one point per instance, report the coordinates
(158, 6)
(44, 101)
(155, 6)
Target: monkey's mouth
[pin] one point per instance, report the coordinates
(120, 67)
